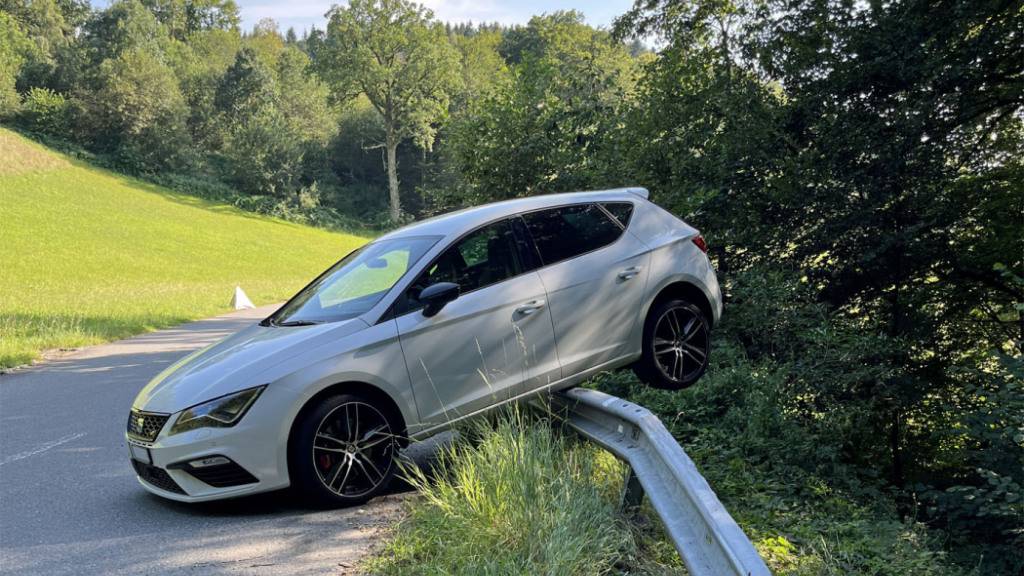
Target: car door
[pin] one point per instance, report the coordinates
(481, 347)
(595, 274)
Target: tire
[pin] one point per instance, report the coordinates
(682, 335)
(342, 451)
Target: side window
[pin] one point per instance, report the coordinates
(566, 232)
(482, 258)
(621, 210)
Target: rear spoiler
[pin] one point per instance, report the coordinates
(641, 192)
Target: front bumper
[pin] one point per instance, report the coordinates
(253, 447)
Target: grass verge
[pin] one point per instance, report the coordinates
(516, 498)
(91, 256)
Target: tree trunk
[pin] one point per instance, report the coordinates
(392, 147)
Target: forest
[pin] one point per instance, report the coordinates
(857, 169)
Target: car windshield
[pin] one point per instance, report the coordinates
(355, 284)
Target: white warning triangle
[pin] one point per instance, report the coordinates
(240, 301)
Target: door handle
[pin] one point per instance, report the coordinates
(530, 307)
(629, 272)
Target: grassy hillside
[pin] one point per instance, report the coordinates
(89, 255)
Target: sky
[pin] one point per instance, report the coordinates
(302, 14)
(305, 13)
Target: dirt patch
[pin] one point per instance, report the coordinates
(21, 155)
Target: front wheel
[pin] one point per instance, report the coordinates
(342, 451)
(676, 345)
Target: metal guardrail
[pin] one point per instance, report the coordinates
(708, 539)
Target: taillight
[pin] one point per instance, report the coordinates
(699, 242)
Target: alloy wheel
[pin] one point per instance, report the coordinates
(353, 449)
(681, 344)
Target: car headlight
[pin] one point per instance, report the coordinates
(217, 413)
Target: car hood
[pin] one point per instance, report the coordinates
(248, 358)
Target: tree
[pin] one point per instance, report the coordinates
(247, 87)
(15, 47)
(394, 53)
(183, 17)
(199, 65)
(876, 149)
(51, 27)
(137, 112)
(273, 120)
(550, 128)
(483, 68)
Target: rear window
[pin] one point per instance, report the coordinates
(621, 210)
(568, 231)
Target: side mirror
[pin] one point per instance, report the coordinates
(435, 296)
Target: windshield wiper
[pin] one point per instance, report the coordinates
(295, 323)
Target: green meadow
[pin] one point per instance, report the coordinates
(88, 256)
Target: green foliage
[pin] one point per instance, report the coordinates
(981, 498)
(246, 88)
(15, 47)
(137, 112)
(303, 98)
(305, 207)
(395, 54)
(520, 499)
(547, 129)
(392, 52)
(264, 156)
(707, 141)
(877, 151)
(791, 453)
(50, 26)
(44, 111)
(483, 68)
(199, 66)
(125, 26)
(271, 120)
(184, 17)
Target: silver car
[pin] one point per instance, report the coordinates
(425, 326)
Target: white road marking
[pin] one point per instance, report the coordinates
(42, 448)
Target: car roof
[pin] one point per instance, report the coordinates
(460, 221)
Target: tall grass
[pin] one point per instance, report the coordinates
(513, 496)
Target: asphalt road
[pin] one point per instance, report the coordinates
(70, 503)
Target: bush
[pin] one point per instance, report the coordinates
(137, 113)
(781, 426)
(805, 513)
(366, 202)
(264, 155)
(44, 111)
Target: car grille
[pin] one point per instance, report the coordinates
(223, 476)
(157, 477)
(145, 425)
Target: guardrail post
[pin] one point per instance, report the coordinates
(705, 535)
(633, 491)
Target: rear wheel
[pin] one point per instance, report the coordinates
(342, 451)
(676, 345)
